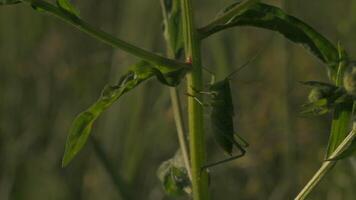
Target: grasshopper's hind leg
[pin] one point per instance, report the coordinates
(244, 142)
(241, 154)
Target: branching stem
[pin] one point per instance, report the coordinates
(176, 104)
(103, 36)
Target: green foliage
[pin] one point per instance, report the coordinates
(173, 27)
(349, 151)
(174, 177)
(323, 98)
(8, 2)
(81, 126)
(68, 7)
(343, 112)
(273, 18)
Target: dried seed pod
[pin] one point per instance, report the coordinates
(350, 80)
(315, 95)
(174, 176)
(319, 90)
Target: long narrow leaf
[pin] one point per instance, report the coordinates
(68, 7)
(273, 18)
(82, 125)
(342, 115)
(173, 27)
(8, 2)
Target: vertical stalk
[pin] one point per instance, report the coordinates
(177, 110)
(195, 110)
(176, 104)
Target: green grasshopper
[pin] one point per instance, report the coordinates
(222, 114)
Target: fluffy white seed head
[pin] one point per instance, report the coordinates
(315, 95)
(350, 80)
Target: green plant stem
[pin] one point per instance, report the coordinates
(195, 110)
(103, 36)
(327, 165)
(234, 11)
(178, 117)
(176, 104)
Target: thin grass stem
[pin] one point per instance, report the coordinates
(326, 166)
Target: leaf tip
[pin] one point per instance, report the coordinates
(67, 158)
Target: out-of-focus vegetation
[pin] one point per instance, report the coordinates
(50, 72)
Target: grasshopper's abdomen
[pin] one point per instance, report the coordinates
(222, 115)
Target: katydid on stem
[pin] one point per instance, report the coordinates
(222, 114)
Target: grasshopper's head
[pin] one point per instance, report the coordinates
(219, 86)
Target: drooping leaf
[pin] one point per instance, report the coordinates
(168, 76)
(173, 27)
(320, 85)
(229, 13)
(82, 125)
(8, 2)
(174, 177)
(273, 18)
(67, 6)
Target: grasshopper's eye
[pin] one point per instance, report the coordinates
(350, 80)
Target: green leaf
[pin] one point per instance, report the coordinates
(343, 112)
(68, 7)
(173, 26)
(82, 125)
(349, 151)
(168, 76)
(323, 98)
(320, 85)
(340, 125)
(273, 18)
(174, 177)
(316, 108)
(8, 2)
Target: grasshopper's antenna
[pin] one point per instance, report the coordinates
(212, 81)
(253, 58)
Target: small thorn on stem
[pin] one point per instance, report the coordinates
(189, 60)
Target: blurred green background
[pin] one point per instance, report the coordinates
(50, 72)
